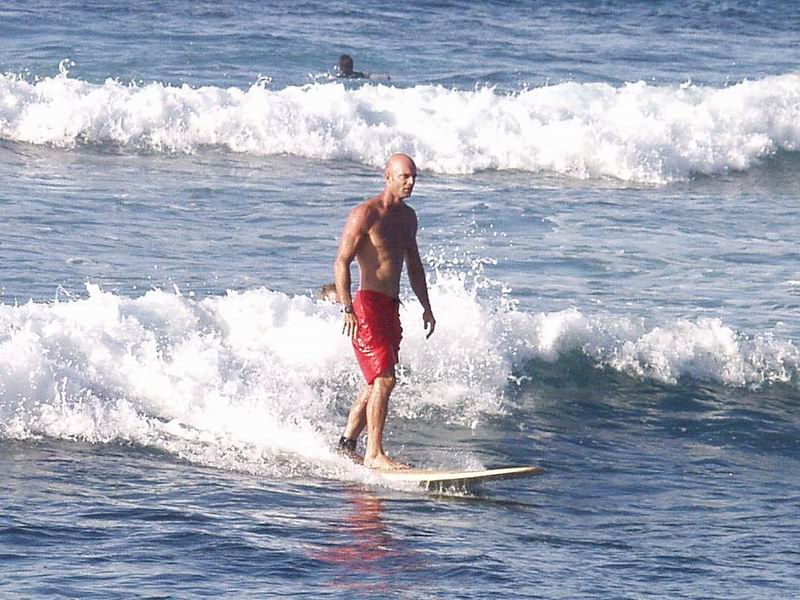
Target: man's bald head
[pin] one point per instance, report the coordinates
(400, 175)
(400, 160)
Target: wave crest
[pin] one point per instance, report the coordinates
(637, 132)
(705, 350)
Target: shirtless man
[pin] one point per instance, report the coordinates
(381, 234)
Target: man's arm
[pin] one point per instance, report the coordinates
(353, 233)
(416, 276)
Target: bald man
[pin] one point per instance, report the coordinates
(380, 234)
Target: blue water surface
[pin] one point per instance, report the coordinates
(164, 434)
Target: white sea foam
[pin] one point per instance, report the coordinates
(704, 349)
(261, 381)
(209, 381)
(636, 132)
(253, 380)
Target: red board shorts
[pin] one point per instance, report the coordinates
(379, 333)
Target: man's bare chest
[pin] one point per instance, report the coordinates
(391, 234)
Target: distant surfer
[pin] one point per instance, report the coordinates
(380, 234)
(328, 293)
(346, 70)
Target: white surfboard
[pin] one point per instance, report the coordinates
(441, 479)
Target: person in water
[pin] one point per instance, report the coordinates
(346, 68)
(328, 293)
(346, 71)
(381, 235)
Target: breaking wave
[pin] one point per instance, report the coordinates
(273, 373)
(637, 132)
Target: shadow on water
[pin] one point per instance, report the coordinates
(573, 396)
(776, 174)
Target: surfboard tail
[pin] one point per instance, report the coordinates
(441, 479)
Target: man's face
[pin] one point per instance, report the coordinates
(401, 178)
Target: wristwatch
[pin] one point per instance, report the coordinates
(348, 309)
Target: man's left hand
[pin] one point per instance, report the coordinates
(429, 322)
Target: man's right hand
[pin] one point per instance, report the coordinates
(350, 325)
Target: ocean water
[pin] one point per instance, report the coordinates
(608, 203)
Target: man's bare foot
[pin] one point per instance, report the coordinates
(384, 463)
(347, 448)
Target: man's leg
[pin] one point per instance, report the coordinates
(377, 408)
(357, 419)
